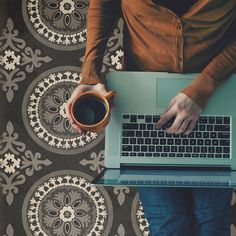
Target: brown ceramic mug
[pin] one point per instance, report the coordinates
(91, 110)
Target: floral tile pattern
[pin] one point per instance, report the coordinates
(45, 166)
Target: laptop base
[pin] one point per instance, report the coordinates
(151, 176)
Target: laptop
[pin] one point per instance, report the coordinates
(138, 154)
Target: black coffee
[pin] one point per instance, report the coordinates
(89, 110)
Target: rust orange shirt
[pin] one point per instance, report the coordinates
(202, 40)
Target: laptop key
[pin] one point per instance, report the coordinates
(124, 154)
(136, 148)
(148, 141)
(140, 141)
(173, 149)
(195, 155)
(215, 142)
(155, 119)
(127, 148)
(187, 155)
(210, 155)
(138, 134)
(148, 154)
(179, 154)
(219, 120)
(203, 149)
(146, 134)
(164, 155)
(133, 154)
(133, 118)
(224, 142)
(155, 141)
(200, 142)
(151, 148)
(221, 128)
(226, 150)
(177, 141)
(213, 135)
(142, 126)
(218, 155)
(132, 140)
(125, 116)
(130, 126)
(149, 126)
(143, 148)
(141, 154)
(156, 154)
(225, 155)
(166, 149)
(148, 119)
(128, 133)
(226, 120)
(163, 141)
(224, 135)
(125, 140)
(140, 117)
(202, 155)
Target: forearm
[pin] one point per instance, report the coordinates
(102, 16)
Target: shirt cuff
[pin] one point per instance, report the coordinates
(90, 74)
(201, 89)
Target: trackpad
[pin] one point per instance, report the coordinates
(167, 88)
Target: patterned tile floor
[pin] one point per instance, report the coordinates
(46, 166)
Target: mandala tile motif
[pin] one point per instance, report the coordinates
(114, 52)
(139, 222)
(65, 203)
(44, 112)
(16, 59)
(58, 24)
(16, 163)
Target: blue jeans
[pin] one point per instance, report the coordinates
(184, 212)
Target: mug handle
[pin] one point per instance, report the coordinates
(110, 94)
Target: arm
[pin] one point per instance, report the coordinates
(188, 104)
(218, 70)
(102, 16)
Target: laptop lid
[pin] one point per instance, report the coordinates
(150, 93)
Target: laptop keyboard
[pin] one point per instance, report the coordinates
(209, 139)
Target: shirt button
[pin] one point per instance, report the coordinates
(179, 27)
(180, 59)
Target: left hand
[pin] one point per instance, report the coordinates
(186, 113)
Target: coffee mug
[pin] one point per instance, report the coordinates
(91, 110)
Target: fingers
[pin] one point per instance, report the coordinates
(166, 117)
(99, 88)
(191, 126)
(186, 113)
(179, 125)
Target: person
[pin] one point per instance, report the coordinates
(185, 36)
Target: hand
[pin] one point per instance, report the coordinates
(185, 111)
(99, 88)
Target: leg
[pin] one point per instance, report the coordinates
(211, 209)
(167, 210)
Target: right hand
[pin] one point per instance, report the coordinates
(99, 88)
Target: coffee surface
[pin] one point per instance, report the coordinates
(89, 110)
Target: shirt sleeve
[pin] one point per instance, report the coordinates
(101, 20)
(217, 71)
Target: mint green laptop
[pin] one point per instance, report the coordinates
(137, 154)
